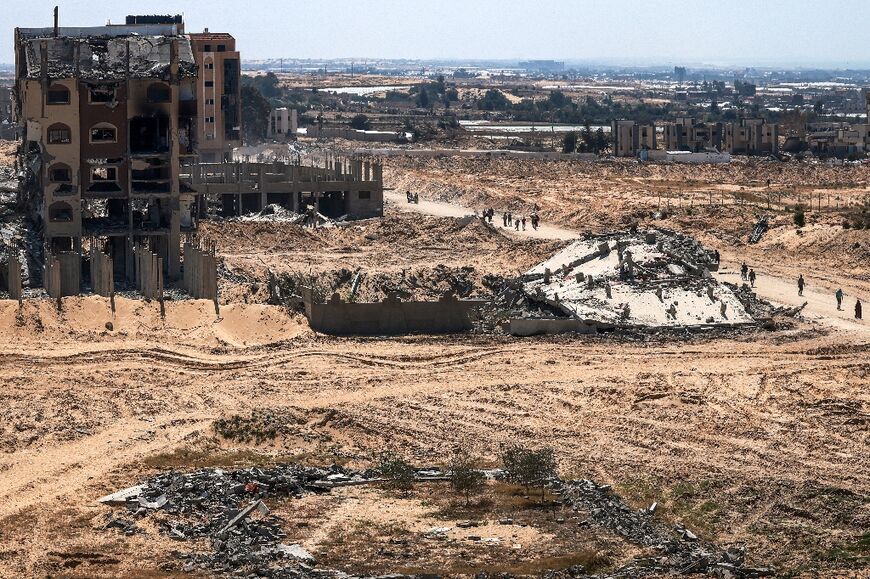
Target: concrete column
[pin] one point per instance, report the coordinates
(261, 182)
(174, 241)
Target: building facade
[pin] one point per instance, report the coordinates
(752, 137)
(107, 114)
(687, 134)
(629, 138)
(219, 119)
(283, 123)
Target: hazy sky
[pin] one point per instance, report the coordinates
(741, 32)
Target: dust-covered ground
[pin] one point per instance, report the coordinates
(758, 437)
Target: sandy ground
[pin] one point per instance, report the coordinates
(758, 437)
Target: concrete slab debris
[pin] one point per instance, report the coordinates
(121, 497)
(649, 279)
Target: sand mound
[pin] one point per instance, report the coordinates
(189, 322)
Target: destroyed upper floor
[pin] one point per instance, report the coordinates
(103, 53)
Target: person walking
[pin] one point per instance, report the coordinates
(858, 309)
(839, 296)
(524, 222)
(504, 219)
(752, 277)
(744, 269)
(517, 224)
(801, 285)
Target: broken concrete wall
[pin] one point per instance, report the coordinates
(62, 274)
(200, 272)
(102, 274)
(390, 317)
(542, 326)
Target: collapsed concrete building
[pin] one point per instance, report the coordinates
(631, 280)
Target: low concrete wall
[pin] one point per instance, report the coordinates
(534, 327)
(389, 317)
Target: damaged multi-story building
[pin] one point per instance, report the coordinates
(109, 113)
(127, 139)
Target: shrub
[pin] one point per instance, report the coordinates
(360, 123)
(398, 472)
(465, 478)
(799, 217)
(529, 468)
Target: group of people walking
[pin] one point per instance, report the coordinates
(748, 274)
(859, 309)
(509, 220)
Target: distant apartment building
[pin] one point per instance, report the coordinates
(107, 113)
(837, 139)
(751, 137)
(629, 138)
(283, 123)
(687, 134)
(219, 105)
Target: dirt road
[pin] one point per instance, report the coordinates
(438, 209)
(821, 304)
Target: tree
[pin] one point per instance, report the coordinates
(255, 114)
(799, 217)
(398, 472)
(360, 123)
(819, 107)
(601, 141)
(529, 468)
(569, 142)
(423, 98)
(465, 478)
(494, 100)
(558, 99)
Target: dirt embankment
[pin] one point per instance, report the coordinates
(390, 252)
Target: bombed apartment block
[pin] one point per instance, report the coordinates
(108, 114)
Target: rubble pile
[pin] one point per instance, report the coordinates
(226, 509)
(275, 212)
(636, 279)
(677, 550)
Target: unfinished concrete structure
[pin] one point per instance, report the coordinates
(283, 123)
(218, 95)
(751, 137)
(687, 134)
(108, 113)
(630, 137)
(643, 280)
(340, 187)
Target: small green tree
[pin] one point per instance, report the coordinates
(528, 467)
(799, 217)
(360, 123)
(569, 142)
(398, 472)
(465, 478)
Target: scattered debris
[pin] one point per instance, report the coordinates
(760, 229)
